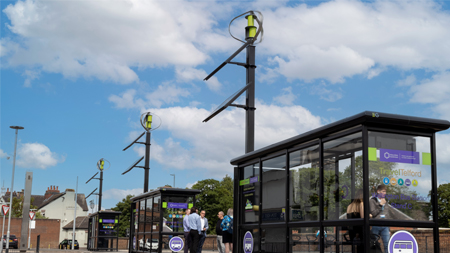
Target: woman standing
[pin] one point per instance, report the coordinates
(227, 228)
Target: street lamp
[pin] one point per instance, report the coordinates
(173, 180)
(12, 186)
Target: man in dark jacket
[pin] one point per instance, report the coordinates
(378, 210)
(220, 245)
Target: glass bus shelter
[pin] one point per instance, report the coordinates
(157, 216)
(294, 195)
(103, 231)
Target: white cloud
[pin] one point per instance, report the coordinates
(3, 154)
(189, 185)
(434, 91)
(342, 38)
(287, 97)
(30, 76)
(212, 145)
(408, 81)
(164, 94)
(119, 194)
(37, 155)
(443, 150)
(326, 94)
(191, 74)
(104, 41)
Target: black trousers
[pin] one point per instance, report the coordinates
(194, 240)
(187, 240)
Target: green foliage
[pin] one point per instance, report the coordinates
(17, 208)
(215, 196)
(443, 197)
(124, 218)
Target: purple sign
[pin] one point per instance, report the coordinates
(407, 182)
(248, 242)
(399, 156)
(403, 241)
(177, 205)
(176, 244)
(253, 180)
(107, 221)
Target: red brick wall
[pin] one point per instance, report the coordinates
(47, 228)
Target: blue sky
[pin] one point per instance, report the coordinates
(78, 75)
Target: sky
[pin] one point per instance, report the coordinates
(77, 75)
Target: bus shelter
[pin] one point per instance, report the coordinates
(294, 195)
(157, 216)
(103, 231)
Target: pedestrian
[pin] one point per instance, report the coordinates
(219, 233)
(195, 229)
(379, 210)
(227, 231)
(204, 229)
(186, 228)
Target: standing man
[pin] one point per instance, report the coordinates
(186, 228)
(220, 245)
(195, 229)
(378, 210)
(205, 227)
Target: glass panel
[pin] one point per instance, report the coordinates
(156, 214)
(149, 215)
(342, 174)
(249, 188)
(400, 176)
(274, 189)
(140, 242)
(247, 243)
(174, 212)
(304, 239)
(345, 239)
(273, 240)
(141, 216)
(305, 187)
(405, 239)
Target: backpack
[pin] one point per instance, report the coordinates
(375, 246)
(227, 224)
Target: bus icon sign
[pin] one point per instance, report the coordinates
(403, 242)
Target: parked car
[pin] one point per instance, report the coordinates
(13, 242)
(154, 245)
(67, 244)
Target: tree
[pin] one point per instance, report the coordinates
(215, 196)
(443, 197)
(125, 217)
(17, 208)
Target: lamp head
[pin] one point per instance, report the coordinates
(16, 127)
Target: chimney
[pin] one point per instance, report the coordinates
(52, 190)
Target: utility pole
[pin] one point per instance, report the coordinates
(146, 122)
(17, 128)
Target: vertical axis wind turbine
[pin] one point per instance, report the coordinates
(101, 168)
(251, 36)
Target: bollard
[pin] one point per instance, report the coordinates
(37, 243)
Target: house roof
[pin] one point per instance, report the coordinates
(81, 222)
(81, 200)
(40, 201)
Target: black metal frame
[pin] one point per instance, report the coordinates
(363, 122)
(162, 193)
(97, 216)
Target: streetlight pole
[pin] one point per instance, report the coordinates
(12, 186)
(173, 180)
